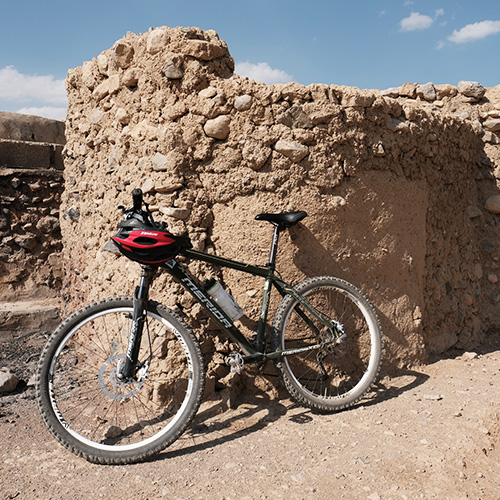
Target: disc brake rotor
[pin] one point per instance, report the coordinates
(112, 386)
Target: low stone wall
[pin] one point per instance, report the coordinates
(31, 182)
(394, 182)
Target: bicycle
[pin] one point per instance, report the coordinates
(122, 378)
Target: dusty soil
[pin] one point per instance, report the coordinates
(431, 432)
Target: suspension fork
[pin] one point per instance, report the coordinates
(140, 311)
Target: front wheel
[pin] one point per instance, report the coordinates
(111, 421)
(341, 372)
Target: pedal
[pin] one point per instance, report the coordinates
(235, 362)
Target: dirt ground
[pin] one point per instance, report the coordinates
(432, 432)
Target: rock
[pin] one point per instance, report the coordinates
(208, 93)
(96, 116)
(491, 138)
(160, 162)
(360, 99)
(172, 70)
(473, 212)
(492, 278)
(122, 115)
(378, 150)
(124, 54)
(73, 213)
(433, 397)
(427, 92)
(470, 355)
(148, 186)
(8, 382)
(256, 154)
(492, 124)
(391, 92)
(48, 224)
(131, 77)
(243, 102)
(113, 432)
(200, 49)
(398, 126)
(295, 117)
(445, 90)
(111, 247)
(169, 186)
(156, 40)
(26, 241)
(471, 89)
(103, 64)
(218, 128)
(408, 90)
(292, 150)
(492, 204)
(176, 213)
(338, 201)
(107, 87)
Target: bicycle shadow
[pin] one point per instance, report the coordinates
(250, 416)
(258, 411)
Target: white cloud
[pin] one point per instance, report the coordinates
(262, 72)
(44, 89)
(53, 113)
(475, 31)
(439, 12)
(416, 21)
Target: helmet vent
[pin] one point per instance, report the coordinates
(143, 240)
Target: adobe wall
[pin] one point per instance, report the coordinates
(394, 182)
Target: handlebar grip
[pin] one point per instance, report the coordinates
(137, 199)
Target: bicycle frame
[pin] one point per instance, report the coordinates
(253, 352)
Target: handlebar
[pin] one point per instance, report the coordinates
(137, 200)
(136, 212)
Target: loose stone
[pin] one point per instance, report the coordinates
(8, 382)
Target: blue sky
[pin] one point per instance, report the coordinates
(362, 43)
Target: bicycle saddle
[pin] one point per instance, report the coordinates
(284, 220)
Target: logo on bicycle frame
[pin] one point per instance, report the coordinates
(192, 286)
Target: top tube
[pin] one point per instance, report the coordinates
(232, 264)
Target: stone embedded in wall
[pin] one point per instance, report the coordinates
(471, 89)
(124, 54)
(493, 204)
(292, 149)
(492, 124)
(218, 128)
(243, 102)
(427, 92)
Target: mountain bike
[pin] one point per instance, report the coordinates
(123, 377)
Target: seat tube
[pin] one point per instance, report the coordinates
(274, 248)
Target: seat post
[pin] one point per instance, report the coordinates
(274, 247)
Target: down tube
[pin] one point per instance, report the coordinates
(182, 276)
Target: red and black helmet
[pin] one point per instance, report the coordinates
(146, 244)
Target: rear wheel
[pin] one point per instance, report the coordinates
(343, 370)
(106, 420)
